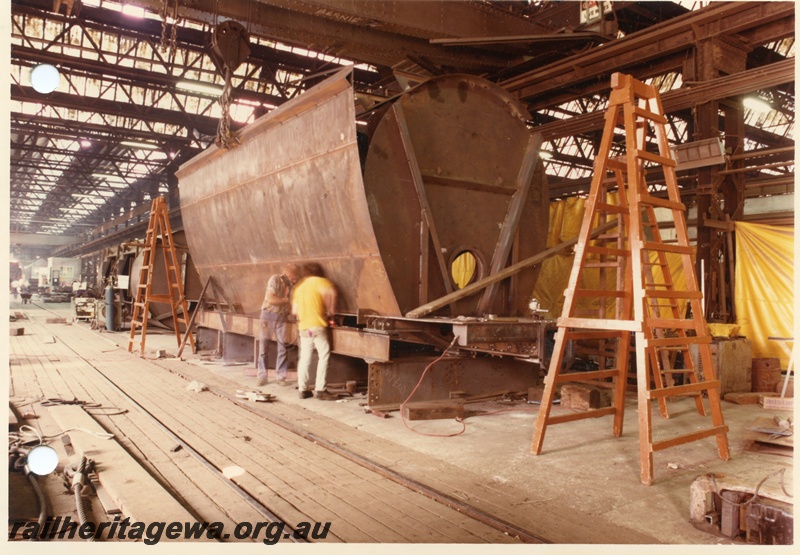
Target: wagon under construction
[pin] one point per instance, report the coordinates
(407, 204)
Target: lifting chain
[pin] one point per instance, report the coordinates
(166, 16)
(224, 138)
(230, 47)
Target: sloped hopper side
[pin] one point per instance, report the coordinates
(468, 139)
(292, 191)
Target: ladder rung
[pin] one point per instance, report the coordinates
(141, 305)
(594, 323)
(682, 389)
(652, 157)
(656, 294)
(585, 376)
(678, 371)
(601, 265)
(664, 247)
(604, 334)
(659, 343)
(608, 251)
(160, 298)
(670, 323)
(595, 413)
(664, 264)
(611, 208)
(687, 438)
(662, 203)
(600, 293)
(639, 111)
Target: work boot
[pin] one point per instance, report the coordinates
(261, 382)
(282, 381)
(305, 394)
(325, 395)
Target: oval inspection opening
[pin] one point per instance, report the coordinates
(464, 269)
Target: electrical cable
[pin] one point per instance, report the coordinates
(460, 420)
(42, 502)
(422, 377)
(77, 488)
(755, 493)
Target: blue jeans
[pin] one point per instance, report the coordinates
(272, 323)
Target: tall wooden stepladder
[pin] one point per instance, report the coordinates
(636, 293)
(159, 227)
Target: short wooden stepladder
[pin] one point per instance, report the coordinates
(159, 226)
(636, 292)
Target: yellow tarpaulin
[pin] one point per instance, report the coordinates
(764, 291)
(566, 217)
(764, 294)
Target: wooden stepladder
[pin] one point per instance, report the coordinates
(633, 289)
(159, 226)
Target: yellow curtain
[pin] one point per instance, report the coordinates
(566, 218)
(764, 290)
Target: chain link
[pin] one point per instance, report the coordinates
(164, 44)
(224, 137)
(163, 13)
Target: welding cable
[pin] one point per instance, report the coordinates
(77, 487)
(780, 472)
(422, 377)
(41, 438)
(42, 501)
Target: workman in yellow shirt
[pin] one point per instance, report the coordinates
(314, 305)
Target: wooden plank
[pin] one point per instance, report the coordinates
(331, 483)
(511, 221)
(495, 497)
(131, 487)
(592, 323)
(287, 464)
(176, 468)
(473, 288)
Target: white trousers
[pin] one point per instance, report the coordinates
(311, 340)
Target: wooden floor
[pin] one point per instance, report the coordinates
(372, 479)
(297, 479)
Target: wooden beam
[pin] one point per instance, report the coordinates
(419, 185)
(502, 274)
(511, 223)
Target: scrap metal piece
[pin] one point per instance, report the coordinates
(254, 396)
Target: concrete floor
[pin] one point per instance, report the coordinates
(582, 468)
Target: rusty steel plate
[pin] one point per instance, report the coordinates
(293, 191)
(469, 137)
(290, 192)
